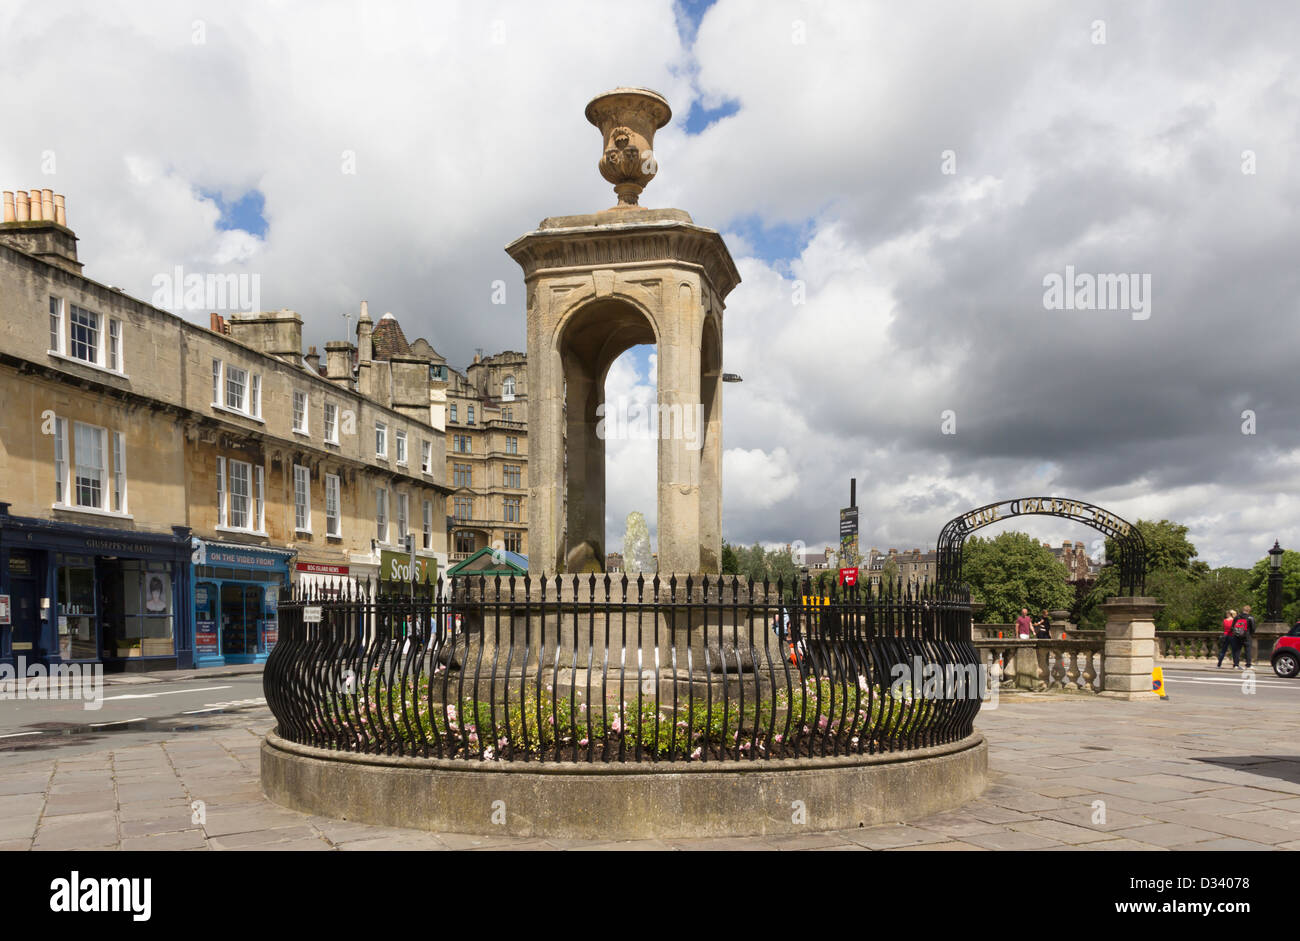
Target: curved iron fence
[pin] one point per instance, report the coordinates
(586, 668)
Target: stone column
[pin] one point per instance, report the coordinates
(1130, 647)
(1266, 635)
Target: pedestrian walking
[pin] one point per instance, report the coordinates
(1043, 627)
(1248, 641)
(1024, 625)
(1225, 640)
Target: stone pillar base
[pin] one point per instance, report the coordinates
(1135, 696)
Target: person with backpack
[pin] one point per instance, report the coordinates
(1238, 636)
(1248, 639)
(1226, 640)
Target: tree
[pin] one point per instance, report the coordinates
(1167, 547)
(730, 565)
(1013, 571)
(889, 572)
(1219, 590)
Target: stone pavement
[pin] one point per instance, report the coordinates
(1066, 772)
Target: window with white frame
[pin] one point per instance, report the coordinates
(114, 345)
(403, 515)
(85, 335)
(87, 474)
(381, 514)
(401, 447)
(221, 491)
(469, 409)
(331, 423)
(56, 325)
(119, 472)
(88, 459)
(512, 509)
(241, 489)
(428, 524)
(381, 440)
(426, 457)
(508, 388)
(300, 412)
(60, 461)
(237, 389)
(301, 499)
(333, 526)
(452, 412)
(512, 444)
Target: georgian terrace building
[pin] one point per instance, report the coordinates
(161, 483)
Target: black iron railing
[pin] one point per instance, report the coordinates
(596, 669)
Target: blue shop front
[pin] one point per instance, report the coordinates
(236, 590)
(87, 593)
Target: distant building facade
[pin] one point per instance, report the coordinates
(163, 483)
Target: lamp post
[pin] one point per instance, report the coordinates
(1273, 609)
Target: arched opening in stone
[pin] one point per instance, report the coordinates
(631, 452)
(590, 341)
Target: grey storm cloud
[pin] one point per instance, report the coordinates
(924, 290)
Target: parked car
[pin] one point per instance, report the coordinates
(1286, 654)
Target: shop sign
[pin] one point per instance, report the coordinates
(221, 555)
(270, 635)
(20, 565)
(311, 614)
(318, 568)
(396, 567)
(205, 637)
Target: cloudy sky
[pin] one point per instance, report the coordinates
(896, 183)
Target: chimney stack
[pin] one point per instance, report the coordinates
(364, 329)
(51, 241)
(313, 359)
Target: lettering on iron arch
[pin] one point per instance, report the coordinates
(1132, 549)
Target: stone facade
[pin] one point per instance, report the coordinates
(122, 416)
(597, 285)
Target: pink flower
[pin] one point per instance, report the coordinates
(617, 724)
(697, 753)
(582, 741)
(779, 738)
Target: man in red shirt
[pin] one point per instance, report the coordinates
(1024, 624)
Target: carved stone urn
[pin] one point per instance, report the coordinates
(628, 119)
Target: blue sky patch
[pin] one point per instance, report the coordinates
(776, 243)
(701, 117)
(244, 213)
(689, 13)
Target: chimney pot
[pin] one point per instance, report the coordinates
(60, 210)
(21, 208)
(9, 206)
(47, 205)
(34, 205)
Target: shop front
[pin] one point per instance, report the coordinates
(325, 580)
(88, 593)
(236, 592)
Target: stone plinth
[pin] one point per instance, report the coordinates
(1130, 651)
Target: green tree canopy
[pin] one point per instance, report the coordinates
(1013, 571)
(1167, 548)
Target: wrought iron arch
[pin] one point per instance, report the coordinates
(1128, 539)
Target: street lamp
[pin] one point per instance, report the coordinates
(1274, 605)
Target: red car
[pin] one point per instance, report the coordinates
(1286, 654)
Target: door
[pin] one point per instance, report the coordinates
(25, 615)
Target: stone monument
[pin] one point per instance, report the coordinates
(597, 285)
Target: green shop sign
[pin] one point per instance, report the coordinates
(396, 567)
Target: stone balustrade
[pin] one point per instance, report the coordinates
(1038, 665)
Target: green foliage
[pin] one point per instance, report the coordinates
(1256, 583)
(730, 565)
(1013, 571)
(1167, 548)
